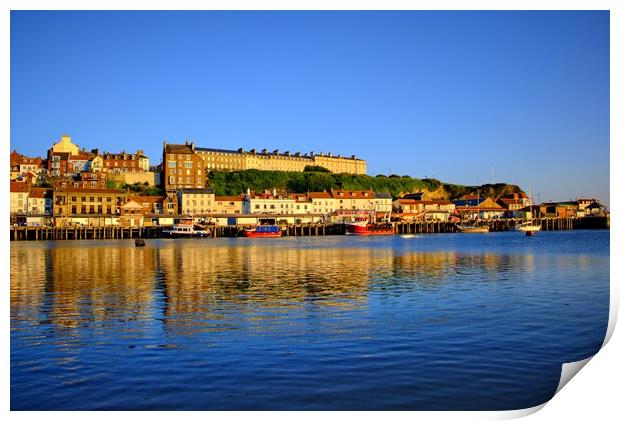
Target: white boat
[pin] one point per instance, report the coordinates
(528, 226)
(184, 231)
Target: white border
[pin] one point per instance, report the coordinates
(593, 395)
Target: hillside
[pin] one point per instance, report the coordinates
(237, 182)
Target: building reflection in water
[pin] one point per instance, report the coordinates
(195, 285)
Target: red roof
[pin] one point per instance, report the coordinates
(19, 187)
(319, 195)
(148, 199)
(229, 198)
(40, 193)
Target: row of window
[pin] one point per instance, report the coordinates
(92, 199)
(172, 157)
(174, 165)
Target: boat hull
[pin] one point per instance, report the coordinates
(254, 234)
(473, 230)
(529, 228)
(185, 235)
(356, 229)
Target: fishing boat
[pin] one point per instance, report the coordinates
(262, 231)
(368, 228)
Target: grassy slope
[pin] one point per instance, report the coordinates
(237, 182)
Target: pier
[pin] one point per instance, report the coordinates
(21, 233)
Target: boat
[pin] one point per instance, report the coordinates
(528, 227)
(185, 230)
(408, 236)
(473, 227)
(368, 228)
(262, 231)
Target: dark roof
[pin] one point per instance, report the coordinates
(414, 196)
(383, 195)
(217, 150)
(182, 148)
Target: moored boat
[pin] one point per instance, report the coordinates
(185, 231)
(262, 231)
(528, 227)
(473, 229)
(368, 228)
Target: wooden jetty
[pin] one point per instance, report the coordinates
(21, 233)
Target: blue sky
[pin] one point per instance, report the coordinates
(465, 97)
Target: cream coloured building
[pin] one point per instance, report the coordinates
(65, 145)
(19, 192)
(236, 160)
(229, 205)
(196, 201)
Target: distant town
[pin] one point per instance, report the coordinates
(74, 187)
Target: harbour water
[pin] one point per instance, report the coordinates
(449, 321)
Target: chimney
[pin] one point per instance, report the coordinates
(248, 192)
(253, 151)
(275, 151)
(240, 150)
(264, 151)
(353, 157)
(274, 192)
(329, 154)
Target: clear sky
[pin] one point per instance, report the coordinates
(465, 97)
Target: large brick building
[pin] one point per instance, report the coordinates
(183, 167)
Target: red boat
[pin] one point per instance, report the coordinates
(263, 231)
(367, 228)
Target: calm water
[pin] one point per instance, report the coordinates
(449, 321)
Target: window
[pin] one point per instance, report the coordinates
(91, 199)
(188, 165)
(172, 164)
(108, 199)
(188, 157)
(93, 184)
(171, 157)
